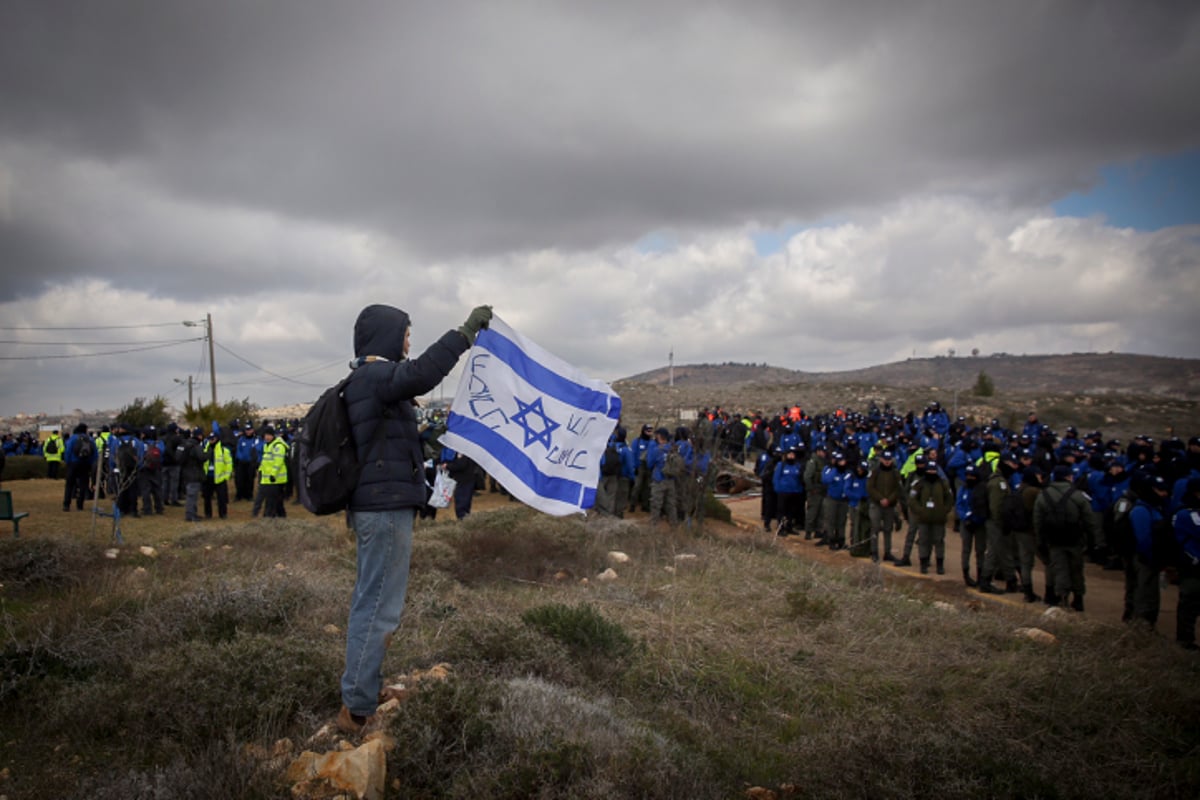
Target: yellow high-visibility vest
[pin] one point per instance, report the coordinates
(273, 469)
(221, 467)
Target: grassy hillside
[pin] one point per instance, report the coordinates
(1080, 373)
(715, 662)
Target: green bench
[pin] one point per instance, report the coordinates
(6, 513)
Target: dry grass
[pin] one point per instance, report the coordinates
(712, 663)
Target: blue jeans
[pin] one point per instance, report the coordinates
(384, 548)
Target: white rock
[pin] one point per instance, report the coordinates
(1037, 635)
(1052, 612)
(607, 576)
(112, 552)
(617, 557)
(686, 557)
(148, 551)
(942, 605)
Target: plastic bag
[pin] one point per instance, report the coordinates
(443, 490)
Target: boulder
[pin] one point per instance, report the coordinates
(361, 771)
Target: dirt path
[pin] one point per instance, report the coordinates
(1104, 599)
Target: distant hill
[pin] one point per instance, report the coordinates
(1089, 373)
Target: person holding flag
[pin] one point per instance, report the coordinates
(380, 401)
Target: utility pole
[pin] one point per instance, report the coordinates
(212, 364)
(189, 384)
(671, 367)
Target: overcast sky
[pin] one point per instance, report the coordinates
(815, 185)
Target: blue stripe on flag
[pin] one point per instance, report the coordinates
(521, 466)
(546, 380)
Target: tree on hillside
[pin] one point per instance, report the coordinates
(223, 413)
(984, 387)
(142, 413)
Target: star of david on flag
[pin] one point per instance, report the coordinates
(537, 424)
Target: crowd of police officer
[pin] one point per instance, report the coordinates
(144, 470)
(1014, 496)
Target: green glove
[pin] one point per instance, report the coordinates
(479, 318)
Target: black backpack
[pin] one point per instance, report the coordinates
(1057, 526)
(611, 464)
(85, 448)
(980, 509)
(1013, 514)
(326, 456)
(126, 457)
(51, 447)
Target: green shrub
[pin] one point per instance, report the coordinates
(45, 563)
(984, 386)
(582, 629)
(715, 509)
(23, 468)
(448, 734)
(500, 648)
(250, 687)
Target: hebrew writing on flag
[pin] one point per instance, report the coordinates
(536, 424)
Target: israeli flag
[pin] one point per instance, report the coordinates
(535, 423)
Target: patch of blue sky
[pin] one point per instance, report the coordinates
(769, 241)
(657, 243)
(1147, 194)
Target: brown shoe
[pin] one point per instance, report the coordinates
(353, 724)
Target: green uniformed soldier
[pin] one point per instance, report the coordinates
(929, 504)
(814, 516)
(999, 554)
(1064, 522)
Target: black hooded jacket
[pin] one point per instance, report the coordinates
(393, 474)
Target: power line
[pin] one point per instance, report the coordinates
(106, 353)
(100, 344)
(267, 371)
(87, 327)
(307, 371)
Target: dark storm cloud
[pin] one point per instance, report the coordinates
(476, 128)
(282, 163)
